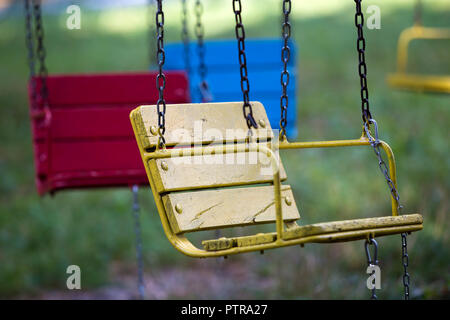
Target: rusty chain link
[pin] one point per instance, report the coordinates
(138, 234)
(245, 84)
(185, 36)
(405, 262)
(160, 78)
(151, 4)
(418, 13)
(374, 141)
(285, 55)
(202, 69)
(29, 40)
(362, 67)
(42, 96)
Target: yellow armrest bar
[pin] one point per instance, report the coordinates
(363, 141)
(183, 244)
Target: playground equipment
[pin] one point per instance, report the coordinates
(78, 120)
(212, 74)
(418, 82)
(223, 77)
(83, 120)
(191, 184)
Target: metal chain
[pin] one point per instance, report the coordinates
(370, 261)
(40, 52)
(138, 234)
(185, 36)
(366, 115)
(245, 84)
(375, 143)
(30, 48)
(151, 32)
(160, 78)
(200, 34)
(418, 13)
(405, 262)
(362, 67)
(285, 55)
(368, 120)
(202, 70)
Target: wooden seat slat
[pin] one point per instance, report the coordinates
(230, 207)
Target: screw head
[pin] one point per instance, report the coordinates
(164, 165)
(178, 208)
(262, 123)
(153, 130)
(288, 201)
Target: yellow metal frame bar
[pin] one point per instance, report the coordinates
(363, 141)
(438, 83)
(413, 33)
(181, 243)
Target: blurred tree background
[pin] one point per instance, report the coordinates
(40, 237)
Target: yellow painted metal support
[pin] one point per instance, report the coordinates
(414, 33)
(260, 242)
(418, 82)
(363, 141)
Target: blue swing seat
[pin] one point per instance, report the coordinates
(264, 71)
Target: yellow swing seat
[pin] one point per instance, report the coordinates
(210, 177)
(418, 82)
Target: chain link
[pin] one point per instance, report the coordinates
(138, 234)
(202, 70)
(42, 99)
(362, 67)
(370, 261)
(30, 50)
(160, 78)
(151, 32)
(368, 120)
(375, 143)
(285, 55)
(418, 13)
(185, 36)
(200, 34)
(245, 84)
(405, 262)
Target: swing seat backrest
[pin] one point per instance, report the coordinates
(263, 63)
(196, 187)
(76, 135)
(201, 192)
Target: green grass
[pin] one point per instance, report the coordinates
(39, 237)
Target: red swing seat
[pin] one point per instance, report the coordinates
(77, 135)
